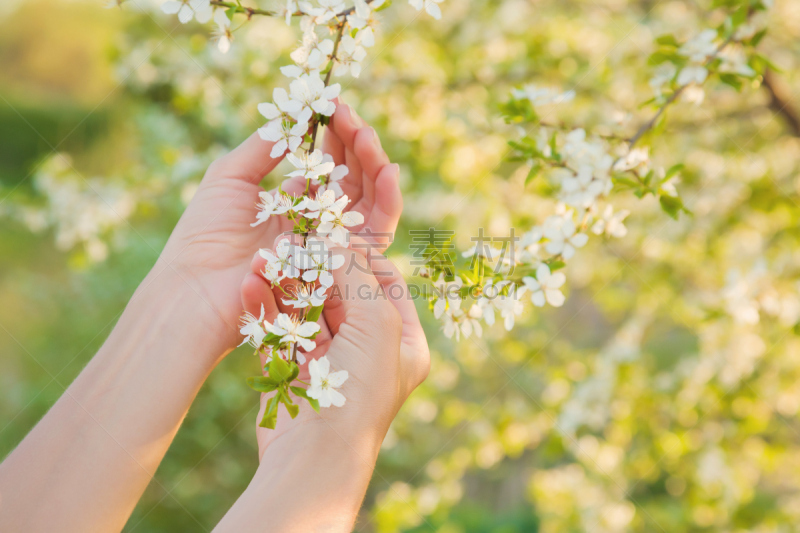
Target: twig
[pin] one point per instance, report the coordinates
(647, 126)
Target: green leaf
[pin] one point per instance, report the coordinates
(672, 205)
(300, 392)
(262, 383)
(314, 313)
(291, 407)
(757, 37)
(536, 167)
(730, 79)
(383, 6)
(270, 417)
(271, 340)
(668, 40)
(740, 16)
(279, 370)
(674, 169)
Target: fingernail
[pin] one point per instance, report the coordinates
(375, 140)
(355, 119)
(396, 170)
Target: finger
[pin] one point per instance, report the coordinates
(345, 123)
(333, 145)
(390, 279)
(354, 291)
(388, 206)
(256, 292)
(370, 153)
(250, 161)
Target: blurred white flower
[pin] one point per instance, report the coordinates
(430, 6)
(200, 10)
(546, 287)
(563, 240)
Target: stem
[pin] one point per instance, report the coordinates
(331, 65)
(249, 11)
(647, 126)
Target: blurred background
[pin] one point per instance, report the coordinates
(663, 396)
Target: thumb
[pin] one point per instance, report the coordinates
(250, 161)
(357, 298)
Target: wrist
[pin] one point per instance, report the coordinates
(169, 315)
(314, 461)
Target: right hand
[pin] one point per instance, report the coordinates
(378, 340)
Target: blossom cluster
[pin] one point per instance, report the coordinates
(335, 39)
(584, 169)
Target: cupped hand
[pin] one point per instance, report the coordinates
(371, 329)
(212, 245)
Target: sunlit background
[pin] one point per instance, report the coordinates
(663, 396)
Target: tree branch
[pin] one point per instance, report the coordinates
(780, 102)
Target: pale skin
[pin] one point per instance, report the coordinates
(88, 461)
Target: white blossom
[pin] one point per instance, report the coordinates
(363, 20)
(306, 295)
(663, 75)
(540, 96)
(200, 10)
(310, 166)
(313, 53)
(285, 135)
(293, 330)
(611, 223)
(271, 205)
(288, 11)
(448, 295)
(579, 189)
(510, 306)
(282, 107)
(223, 34)
(326, 201)
(431, 6)
(311, 92)
(692, 74)
(332, 183)
(324, 383)
(694, 94)
(318, 261)
(636, 158)
(253, 329)
(546, 287)
(283, 258)
(701, 47)
(560, 232)
(350, 56)
(333, 221)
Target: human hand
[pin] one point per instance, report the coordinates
(369, 327)
(212, 245)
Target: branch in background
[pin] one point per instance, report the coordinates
(647, 126)
(780, 102)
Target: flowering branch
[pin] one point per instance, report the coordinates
(585, 168)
